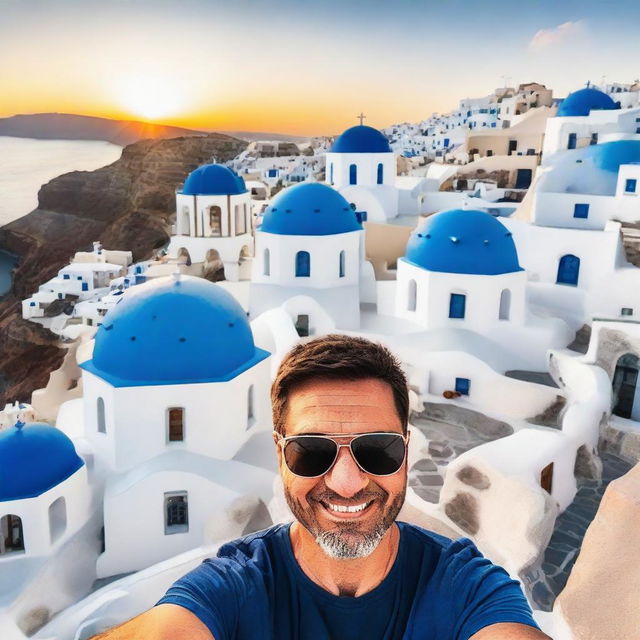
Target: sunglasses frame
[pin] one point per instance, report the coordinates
(281, 441)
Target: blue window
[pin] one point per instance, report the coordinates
(342, 264)
(630, 185)
(462, 386)
(361, 216)
(446, 142)
(380, 173)
(638, 130)
(303, 264)
(32, 304)
(272, 173)
(573, 139)
(65, 276)
(353, 174)
(85, 286)
(78, 277)
(581, 211)
(493, 125)
(457, 303)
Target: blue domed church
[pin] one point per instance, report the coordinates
(461, 270)
(309, 255)
(174, 388)
(213, 219)
(362, 166)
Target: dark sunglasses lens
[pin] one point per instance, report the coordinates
(379, 453)
(308, 456)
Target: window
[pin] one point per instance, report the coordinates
(11, 535)
(594, 139)
(412, 293)
(581, 211)
(505, 305)
(272, 173)
(102, 423)
(462, 386)
(215, 221)
(176, 512)
(57, 519)
(241, 223)
(251, 418)
(342, 263)
(331, 173)
(303, 264)
(175, 424)
(626, 311)
(573, 138)
(353, 174)
(66, 276)
(630, 185)
(457, 303)
(380, 173)
(568, 270)
(266, 260)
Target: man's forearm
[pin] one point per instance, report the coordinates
(509, 631)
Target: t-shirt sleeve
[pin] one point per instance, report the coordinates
(483, 593)
(214, 592)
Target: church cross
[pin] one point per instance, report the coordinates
(361, 117)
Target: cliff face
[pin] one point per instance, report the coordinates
(126, 205)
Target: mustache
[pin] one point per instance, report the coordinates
(357, 498)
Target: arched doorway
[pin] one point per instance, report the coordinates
(568, 270)
(215, 221)
(626, 402)
(505, 305)
(185, 222)
(11, 535)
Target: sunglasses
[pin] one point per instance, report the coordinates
(311, 456)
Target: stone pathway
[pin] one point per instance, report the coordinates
(546, 583)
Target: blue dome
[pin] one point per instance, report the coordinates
(213, 180)
(361, 139)
(580, 103)
(463, 241)
(309, 209)
(33, 459)
(610, 155)
(173, 331)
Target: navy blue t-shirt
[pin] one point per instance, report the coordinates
(437, 589)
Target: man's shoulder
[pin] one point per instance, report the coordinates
(254, 548)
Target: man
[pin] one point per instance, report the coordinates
(345, 569)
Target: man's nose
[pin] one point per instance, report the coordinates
(346, 478)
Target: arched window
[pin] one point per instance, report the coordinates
(266, 263)
(353, 174)
(380, 175)
(11, 535)
(241, 226)
(412, 293)
(102, 423)
(215, 221)
(331, 173)
(568, 270)
(250, 409)
(303, 264)
(342, 263)
(185, 222)
(457, 305)
(505, 305)
(175, 424)
(57, 519)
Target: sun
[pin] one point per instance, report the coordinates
(151, 96)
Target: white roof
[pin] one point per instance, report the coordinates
(90, 267)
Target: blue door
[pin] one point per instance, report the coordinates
(85, 286)
(380, 176)
(572, 141)
(462, 386)
(303, 264)
(457, 304)
(568, 270)
(523, 179)
(353, 174)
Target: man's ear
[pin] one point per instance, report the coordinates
(276, 438)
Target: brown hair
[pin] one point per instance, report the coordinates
(338, 357)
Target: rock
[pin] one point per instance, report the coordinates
(474, 478)
(126, 205)
(455, 415)
(588, 465)
(440, 449)
(600, 601)
(463, 511)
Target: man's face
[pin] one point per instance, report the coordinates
(344, 407)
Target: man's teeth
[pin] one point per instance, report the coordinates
(345, 509)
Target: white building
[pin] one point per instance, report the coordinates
(310, 244)
(213, 218)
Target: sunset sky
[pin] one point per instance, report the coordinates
(300, 67)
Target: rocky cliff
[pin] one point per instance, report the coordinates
(126, 205)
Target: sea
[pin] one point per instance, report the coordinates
(27, 164)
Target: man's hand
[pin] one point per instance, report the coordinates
(164, 622)
(509, 631)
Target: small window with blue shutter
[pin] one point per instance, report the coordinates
(581, 211)
(353, 174)
(303, 264)
(66, 276)
(463, 385)
(457, 304)
(380, 176)
(630, 185)
(573, 139)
